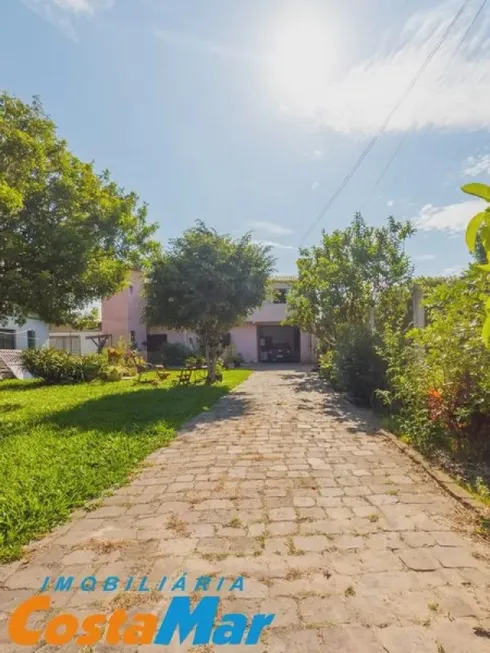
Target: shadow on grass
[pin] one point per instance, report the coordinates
(355, 418)
(130, 412)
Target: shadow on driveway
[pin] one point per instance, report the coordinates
(355, 418)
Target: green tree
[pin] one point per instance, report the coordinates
(207, 282)
(68, 236)
(86, 321)
(341, 281)
(478, 241)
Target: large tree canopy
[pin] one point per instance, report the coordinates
(207, 283)
(343, 278)
(68, 236)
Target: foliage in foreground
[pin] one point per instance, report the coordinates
(439, 377)
(207, 283)
(478, 241)
(61, 446)
(69, 235)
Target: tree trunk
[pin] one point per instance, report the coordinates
(212, 366)
(211, 360)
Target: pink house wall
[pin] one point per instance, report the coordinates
(244, 340)
(123, 312)
(135, 308)
(115, 315)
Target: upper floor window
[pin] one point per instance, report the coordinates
(280, 295)
(130, 288)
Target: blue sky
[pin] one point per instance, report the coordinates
(248, 114)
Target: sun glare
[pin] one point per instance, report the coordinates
(301, 61)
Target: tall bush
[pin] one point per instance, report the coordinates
(355, 366)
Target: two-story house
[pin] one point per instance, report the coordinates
(261, 338)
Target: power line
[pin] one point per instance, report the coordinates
(405, 135)
(386, 122)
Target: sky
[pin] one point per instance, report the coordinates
(249, 114)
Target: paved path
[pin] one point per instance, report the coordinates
(334, 530)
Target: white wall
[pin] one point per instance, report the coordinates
(40, 328)
(86, 346)
(269, 311)
(307, 347)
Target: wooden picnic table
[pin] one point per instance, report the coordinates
(192, 374)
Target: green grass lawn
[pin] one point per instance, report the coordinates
(61, 446)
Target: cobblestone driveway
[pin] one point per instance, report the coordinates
(334, 530)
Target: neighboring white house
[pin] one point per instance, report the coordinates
(14, 338)
(34, 333)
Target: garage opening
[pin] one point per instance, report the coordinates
(278, 344)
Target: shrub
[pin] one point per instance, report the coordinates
(354, 365)
(112, 373)
(174, 354)
(439, 377)
(55, 366)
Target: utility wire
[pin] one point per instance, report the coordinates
(406, 134)
(386, 122)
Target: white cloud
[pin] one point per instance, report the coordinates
(453, 271)
(315, 185)
(452, 218)
(187, 41)
(453, 92)
(270, 243)
(475, 165)
(61, 13)
(270, 227)
(425, 257)
(390, 203)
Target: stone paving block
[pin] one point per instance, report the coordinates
(454, 557)
(417, 539)
(310, 543)
(349, 639)
(407, 639)
(328, 610)
(285, 609)
(282, 514)
(419, 560)
(295, 641)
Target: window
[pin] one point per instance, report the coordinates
(280, 295)
(155, 341)
(31, 339)
(130, 288)
(66, 343)
(226, 342)
(133, 337)
(7, 339)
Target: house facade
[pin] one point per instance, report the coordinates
(14, 338)
(34, 333)
(261, 338)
